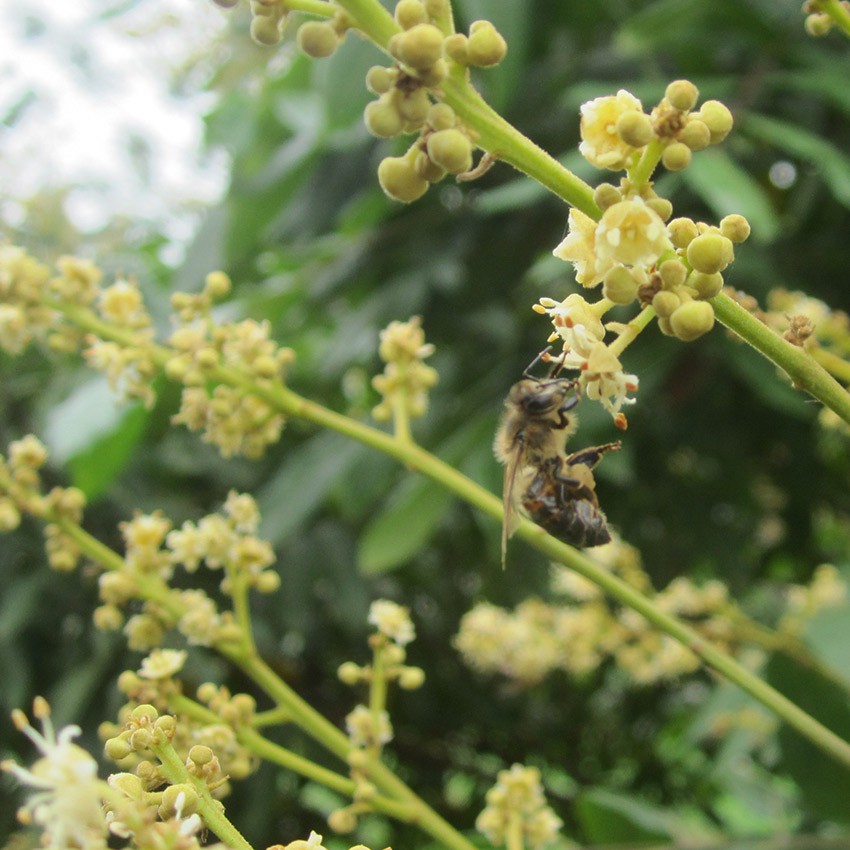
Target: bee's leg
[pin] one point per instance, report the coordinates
(592, 455)
(563, 419)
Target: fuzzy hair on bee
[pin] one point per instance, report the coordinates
(556, 490)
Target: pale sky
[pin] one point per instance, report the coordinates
(81, 91)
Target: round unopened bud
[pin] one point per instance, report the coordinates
(450, 149)
(664, 326)
(349, 673)
(706, 285)
(141, 739)
(428, 169)
(217, 284)
(682, 95)
(735, 228)
(380, 79)
(441, 116)
(662, 206)
(682, 231)
(676, 156)
(710, 252)
(145, 713)
(265, 30)
(107, 618)
(399, 179)
(692, 320)
(179, 799)
(411, 678)
(408, 13)
(201, 755)
(486, 46)
(207, 692)
(436, 8)
(673, 273)
(414, 106)
(117, 749)
(419, 47)
(317, 39)
(664, 303)
(268, 581)
(635, 128)
(456, 47)
(435, 74)
(382, 119)
(717, 118)
(166, 725)
(818, 25)
(343, 820)
(619, 285)
(695, 134)
(606, 195)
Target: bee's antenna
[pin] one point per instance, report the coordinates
(542, 356)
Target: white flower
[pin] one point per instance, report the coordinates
(162, 663)
(68, 799)
(632, 234)
(601, 145)
(579, 248)
(366, 728)
(392, 620)
(603, 379)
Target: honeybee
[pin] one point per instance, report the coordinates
(556, 490)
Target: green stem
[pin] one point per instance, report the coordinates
(633, 329)
(805, 372)
(837, 366)
(210, 810)
(838, 12)
(377, 694)
(320, 8)
(641, 173)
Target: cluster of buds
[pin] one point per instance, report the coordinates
(516, 813)
(20, 492)
(406, 379)
(314, 842)
(818, 23)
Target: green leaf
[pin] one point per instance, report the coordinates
(831, 162)
(727, 188)
(94, 435)
(609, 817)
(415, 510)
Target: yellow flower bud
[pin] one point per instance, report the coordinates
(456, 47)
(380, 79)
(414, 106)
(735, 228)
(343, 820)
(695, 134)
(818, 25)
(317, 39)
(706, 285)
(408, 13)
(486, 46)
(265, 30)
(419, 47)
(117, 748)
(441, 116)
(692, 320)
(450, 149)
(436, 8)
(399, 179)
(382, 119)
(619, 285)
(682, 95)
(350, 673)
(411, 678)
(428, 169)
(682, 231)
(710, 252)
(717, 118)
(665, 303)
(662, 206)
(635, 128)
(673, 273)
(676, 156)
(606, 195)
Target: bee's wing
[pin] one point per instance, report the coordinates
(509, 517)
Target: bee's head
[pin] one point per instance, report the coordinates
(540, 397)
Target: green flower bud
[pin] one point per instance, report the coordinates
(428, 169)
(606, 196)
(486, 46)
(436, 8)
(456, 47)
(717, 118)
(343, 820)
(682, 231)
(441, 116)
(662, 206)
(184, 796)
(706, 285)
(265, 30)
(317, 39)
(673, 273)
(433, 76)
(411, 678)
(414, 106)
(676, 156)
(664, 326)
(201, 754)
(107, 618)
(635, 128)
(409, 13)
(419, 47)
(818, 25)
(619, 285)
(665, 303)
(400, 181)
(145, 712)
(735, 228)
(451, 150)
(117, 749)
(692, 320)
(695, 134)
(379, 79)
(710, 252)
(349, 673)
(682, 95)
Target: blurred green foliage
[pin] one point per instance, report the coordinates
(719, 449)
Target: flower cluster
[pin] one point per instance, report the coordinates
(826, 590)
(537, 637)
(406, 379)
(818, 21)
(516, 806)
